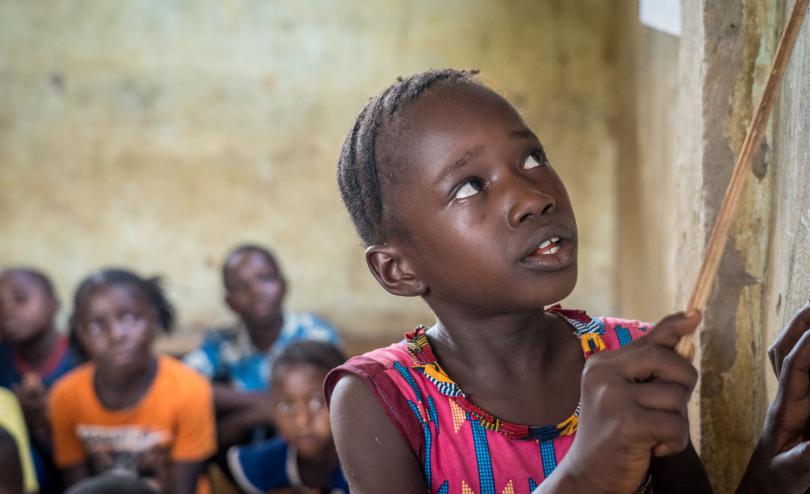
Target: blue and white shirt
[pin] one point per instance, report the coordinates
(229, 356)
(271, 465)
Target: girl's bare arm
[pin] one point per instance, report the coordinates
(374, 455)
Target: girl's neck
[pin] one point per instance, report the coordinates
(264, 335)
(499, 339)
(36, 351)
(119, 390)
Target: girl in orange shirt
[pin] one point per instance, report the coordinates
(129, 410)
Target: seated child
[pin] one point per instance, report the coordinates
(128, 410)
(33, 355)
(15, 456)
(304, 456)
(457, 203)
(239, 359)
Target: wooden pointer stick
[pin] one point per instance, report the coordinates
(753, 138)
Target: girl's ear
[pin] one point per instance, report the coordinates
(393, 271)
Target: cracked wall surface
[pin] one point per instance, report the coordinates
(724, 56)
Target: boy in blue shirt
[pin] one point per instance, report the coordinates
(238, 359)
(303, 457)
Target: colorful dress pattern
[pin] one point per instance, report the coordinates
(461, 447)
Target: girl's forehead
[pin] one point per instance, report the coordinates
(112, 295)
(23, 283)
(456, 104)
(448, 125)
(295, 376)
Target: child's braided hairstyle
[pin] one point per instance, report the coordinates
(358, 169)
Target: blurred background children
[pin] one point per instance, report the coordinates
(33, 355)
(239, 359)
(129, 410)
(303, 457)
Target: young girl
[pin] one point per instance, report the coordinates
(303, 458)
(456, 202)
(130, 411)
(33, 355)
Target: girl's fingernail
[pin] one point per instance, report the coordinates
(692, 313)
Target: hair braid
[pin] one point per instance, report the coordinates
(359, 171)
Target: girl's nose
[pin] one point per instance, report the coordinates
(528, 203)
(117, 330)
(302, 418)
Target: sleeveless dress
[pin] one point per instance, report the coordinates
(462, 448)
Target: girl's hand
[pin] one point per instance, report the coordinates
(633, 407)
(781, 460)
(788, 337)
(33, 400)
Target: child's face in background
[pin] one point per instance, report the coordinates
(494, 226)
(255, 288)
(26, 308)
(117, 326)
(299, 411)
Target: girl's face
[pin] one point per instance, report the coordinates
(254, 287)
(489, 226)
(26, 308)
(299, 411)
(117, 326)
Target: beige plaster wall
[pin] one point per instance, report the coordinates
(789, 256)
(157, 134)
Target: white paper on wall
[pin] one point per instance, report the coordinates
(663, 15)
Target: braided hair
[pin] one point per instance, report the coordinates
(359, 169)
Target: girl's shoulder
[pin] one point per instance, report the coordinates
(370, 366)
(76, 382)
(599, 333)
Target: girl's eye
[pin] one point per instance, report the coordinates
(94, 328)
(469, 189)
(129, 318)
(316, 404)
(533, 161)
(284, 407)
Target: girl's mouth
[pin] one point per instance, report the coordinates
(552, 254)
(548, 247)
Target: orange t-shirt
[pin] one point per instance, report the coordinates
(174, 421)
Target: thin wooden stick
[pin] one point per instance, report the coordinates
(753, 138)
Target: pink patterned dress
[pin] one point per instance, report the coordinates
(462, 448)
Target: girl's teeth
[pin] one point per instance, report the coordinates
(550, 246)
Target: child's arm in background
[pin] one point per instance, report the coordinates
(238, 413)
(34, 402)
(11, 470)
(634, 407)
(373, 454)
(781, 459)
